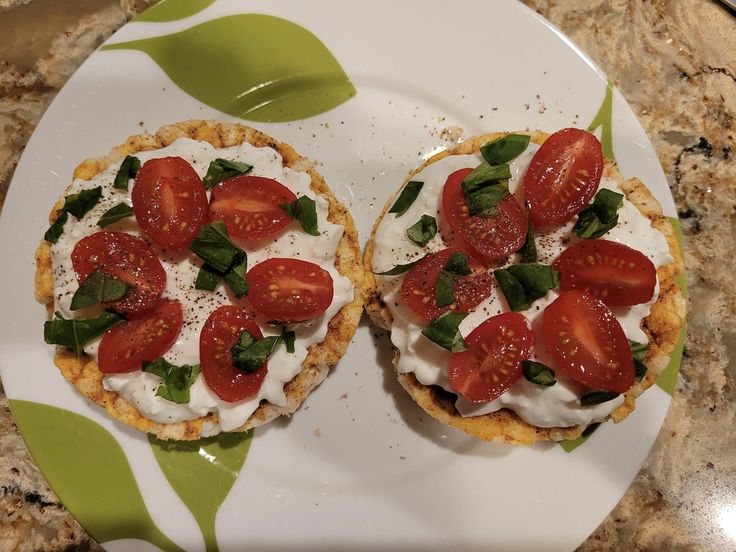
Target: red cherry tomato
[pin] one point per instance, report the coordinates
(144, 337)
(289, 290)
(587, 342)
(169, 202)
(563, 176)
(492, 362)
(493, 237)
(249, 206)
(417, 289)
(125, 258)
(220, 332)
(616, 274)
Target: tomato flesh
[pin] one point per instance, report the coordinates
(169, 202)
(492, 362)
(143, 338)
(417, 289)
(614, 273)
(587, 343)
(289, 290)
(125, 258)
(563, 176)
(492, 238)
(249, 206)
(220, 332)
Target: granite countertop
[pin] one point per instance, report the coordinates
(675, 62)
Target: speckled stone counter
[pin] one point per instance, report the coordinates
(675, 62)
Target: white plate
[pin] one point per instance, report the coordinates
(359, 465)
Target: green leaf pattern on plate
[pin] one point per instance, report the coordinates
(88, 470)
(202, 473)
(223, 63)
(171, 10)
(603, 119)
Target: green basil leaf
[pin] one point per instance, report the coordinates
(207, 278)
(529, 249)
(81, 203)
(640, 369)
(306, 214)
(484, 174)
(398, 269)
(588, 431)
(444, 331)
(639, 350)
(289, 338)
(57, 228)
(406, 198)
(235, 277)
(212, 243)
(505, 149)
(128, 169)
(444, 289)
(422, 231)
(177, 379)
(597, 397)
(482, 202)
(538, 373)
(222, 169)
(114, 214)
(457, 264)
(76, 333)
(250, 354)
(600, 216)
(98, 288)
(523, 284)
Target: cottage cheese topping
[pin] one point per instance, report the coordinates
(139, 388)
(558, 405)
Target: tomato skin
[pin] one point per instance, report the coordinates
(249, 206)
(563, 176)
(614, 273)
(587, 342)
(220, 332)
(417, 288)
(169, 202)
(126, 258)
(144, 337)
(289, 290)
(483, 375)
(491, 238)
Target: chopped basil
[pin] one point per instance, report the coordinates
(304, 210)
(57, 228)
(538, 373)
(444, 331)
(407, 196)
(398, 269)
(207, 278)
(529, 249)
(177, 379)
(588, 431)
(222, 169)
(597, 397)
(235, 277)
(78, 204)
(76, 333)
(114, 214)
(523, 284)
(423, 230)
(455, 267)
(128, 169)
(505, 149)
(249, 354)
(638, 350)
(600, 216)
(640, 369)
(289, 338)
(98, 288)
(484, 174)
(212, 243)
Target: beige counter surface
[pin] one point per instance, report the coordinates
(675, 62)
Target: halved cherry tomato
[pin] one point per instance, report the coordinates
(220, 332)
(417, 289)
(616, 274)
(125, 258)
(493, 237)
(289, 290)
(587, 342)
(249, 206)
(169, 202)
(563, 176)
(492, 362)
(144, 337)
